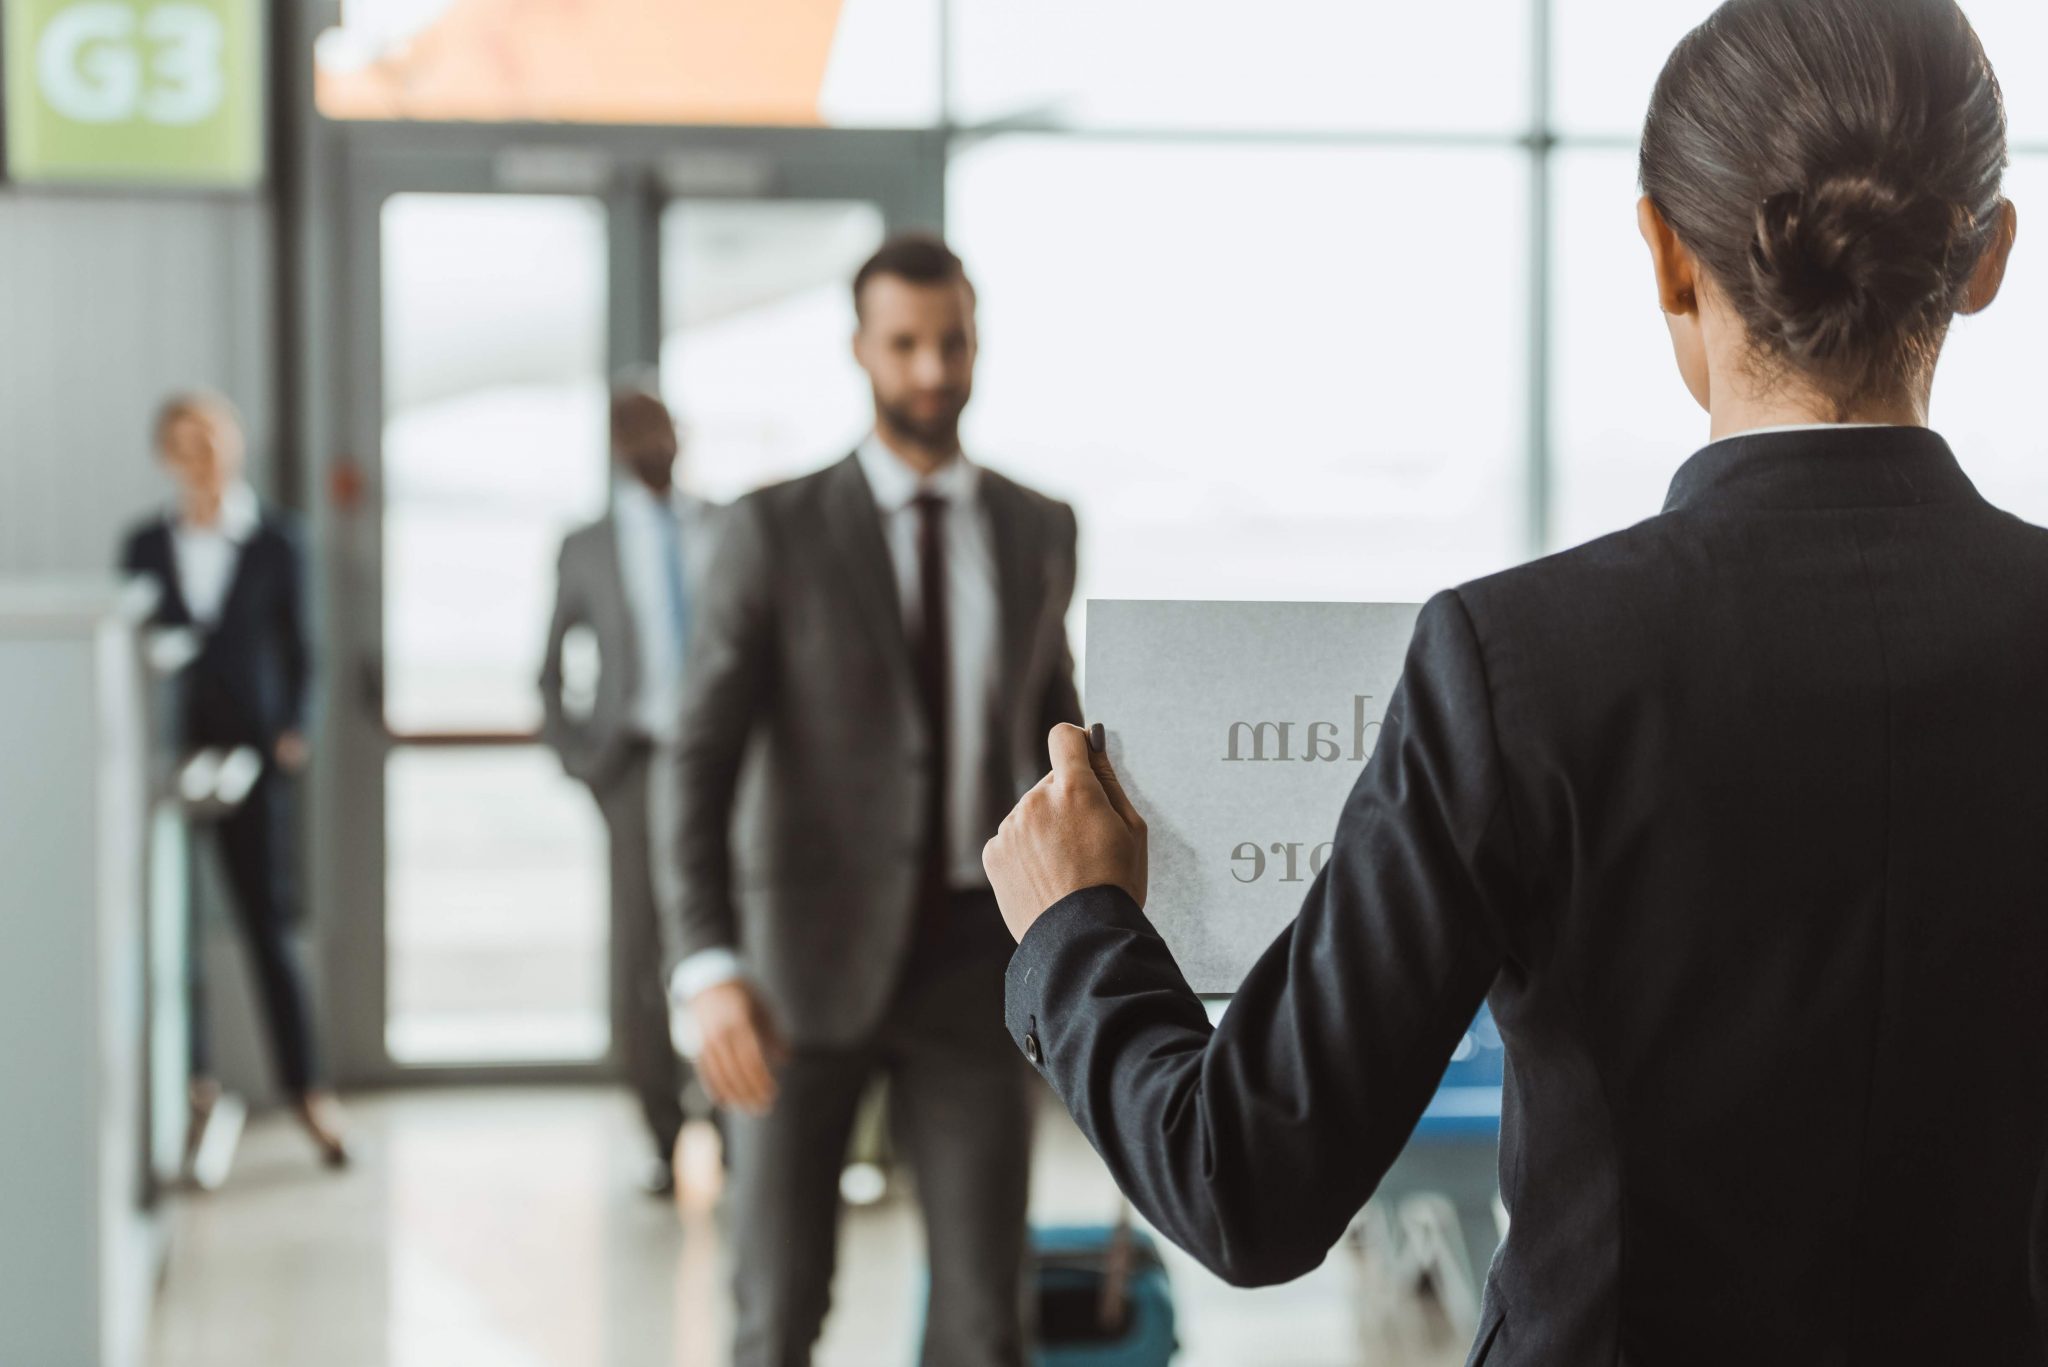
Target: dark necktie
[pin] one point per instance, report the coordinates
(933, 673)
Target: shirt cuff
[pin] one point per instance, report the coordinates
(698, 972)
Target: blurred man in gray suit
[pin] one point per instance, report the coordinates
(879, 653)
(626, 591)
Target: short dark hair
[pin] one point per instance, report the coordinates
(920, 258)
(636, 414)
(1835, 167)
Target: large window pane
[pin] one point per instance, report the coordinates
(494, 443)
(1450, 64)
(1621, 419)
(494, 910)
(757, 321)
(1258, 372)
(867, 62)
(1605, 58)
(1609, 52)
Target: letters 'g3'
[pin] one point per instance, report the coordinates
(95, 67)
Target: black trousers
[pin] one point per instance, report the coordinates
(641, 1014)
(255, 846)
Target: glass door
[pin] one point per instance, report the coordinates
(494, 325)
(497, 284)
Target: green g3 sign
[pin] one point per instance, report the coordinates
(123, 91)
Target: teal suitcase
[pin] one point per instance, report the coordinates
(1103, 1298)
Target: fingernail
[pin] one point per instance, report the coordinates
(1095, 740)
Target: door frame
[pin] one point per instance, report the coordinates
(636, 172)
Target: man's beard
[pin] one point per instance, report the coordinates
(939, 433)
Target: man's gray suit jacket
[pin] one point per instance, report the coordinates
(792, 802)
(593, 739)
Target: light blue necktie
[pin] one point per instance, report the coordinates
(678, 592)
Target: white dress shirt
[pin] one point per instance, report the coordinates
(973, 643)
(204, 558)
(643, 551)
(973, 629)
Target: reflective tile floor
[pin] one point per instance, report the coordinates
(505, 1228)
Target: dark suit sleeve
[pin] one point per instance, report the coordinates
(294, 634)
(731, 666)
(1252, 1146)
(138, 558)
(556, 732)
(1062, 701)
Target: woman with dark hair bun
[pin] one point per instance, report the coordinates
(1737, 818)
(1821, 196)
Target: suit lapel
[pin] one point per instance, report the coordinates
(1020, 582)
(239, 575)
(693, 516)
(174, 610)
(855, 527)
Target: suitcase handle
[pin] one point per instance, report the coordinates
(1115, 1306)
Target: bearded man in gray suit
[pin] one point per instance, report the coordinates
(627, 585)
(879, 654)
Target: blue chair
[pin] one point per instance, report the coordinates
(1467, 1101)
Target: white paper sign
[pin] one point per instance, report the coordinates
(1239, 729)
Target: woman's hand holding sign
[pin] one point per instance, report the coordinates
(1076, 829)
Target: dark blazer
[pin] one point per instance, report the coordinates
(250, 682)
(1739, 820)
(790, 810)
(590, 593)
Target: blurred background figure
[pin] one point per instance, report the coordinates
(625, 584)
(881, 650)
(232, 572)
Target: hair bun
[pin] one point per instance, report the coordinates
(1849, 259)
